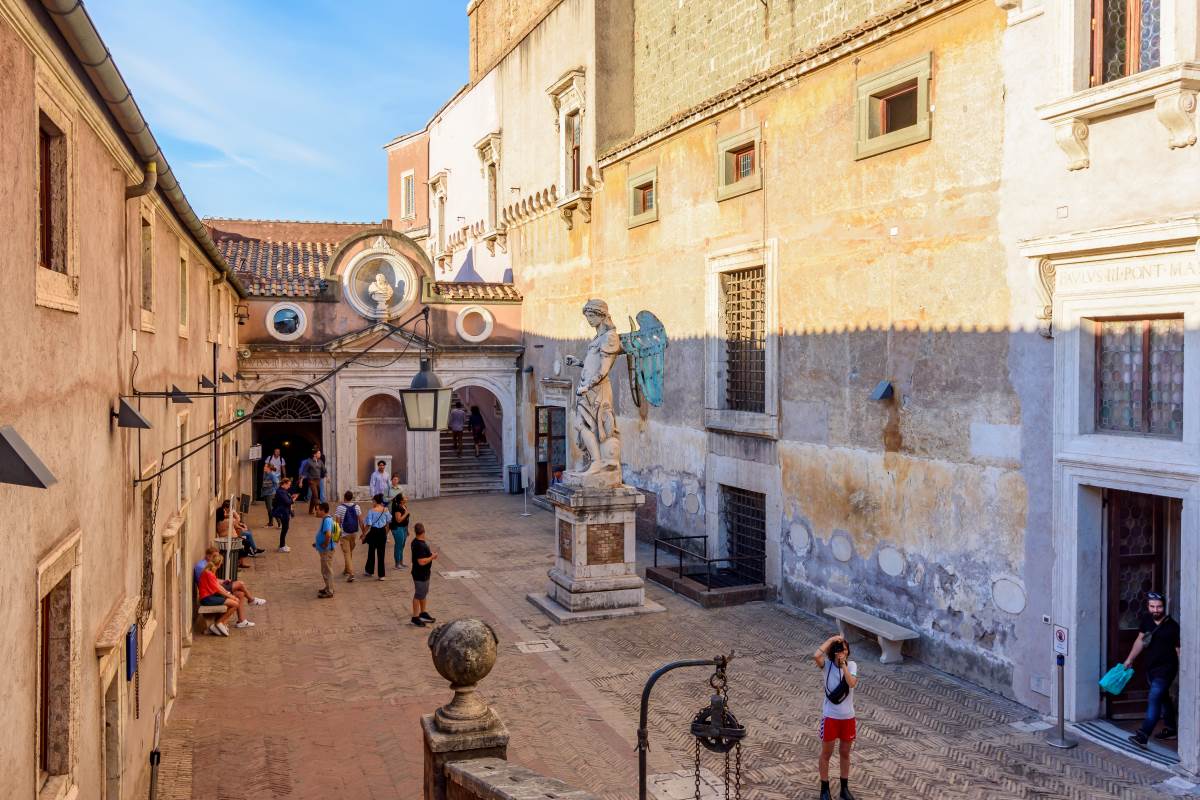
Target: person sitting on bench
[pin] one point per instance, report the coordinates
(224, 515)
(212, 593)
(237, 588)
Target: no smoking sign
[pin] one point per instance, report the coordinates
(1061, 640)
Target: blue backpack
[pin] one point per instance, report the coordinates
(350, 520)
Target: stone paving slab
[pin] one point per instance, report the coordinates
(323, 698)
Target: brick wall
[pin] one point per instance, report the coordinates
(496, 26)
(605, 543)
(565, 549)
(710, 45)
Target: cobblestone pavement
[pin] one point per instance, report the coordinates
(322, 698)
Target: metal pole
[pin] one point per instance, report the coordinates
(643, 735)
(1059, 737)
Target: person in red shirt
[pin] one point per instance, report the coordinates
(212, 593)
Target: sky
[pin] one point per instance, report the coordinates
(279, 109)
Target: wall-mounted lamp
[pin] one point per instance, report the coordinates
(178, 396)
(242, 312)
(225, 378)
(883, 391)
(19, 465)
(528, 370)
(205, 383)
(129, 417)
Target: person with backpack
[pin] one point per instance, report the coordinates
(325, 543)
(348, 515)
(283, 512)
(399, 527)
(475, 422)
(837, 715)
(376, 535)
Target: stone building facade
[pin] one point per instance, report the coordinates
(107, 295)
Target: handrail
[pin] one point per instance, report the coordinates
(665, 542)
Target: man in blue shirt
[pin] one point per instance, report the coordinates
(325, 545)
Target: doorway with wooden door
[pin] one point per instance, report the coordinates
(1142, 541)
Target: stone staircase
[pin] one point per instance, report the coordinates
(467, 474)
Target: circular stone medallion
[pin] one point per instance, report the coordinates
(1008, 595)
(667, 496)
(891, 561)
(691, 503)
(842, 547)
(801, 541)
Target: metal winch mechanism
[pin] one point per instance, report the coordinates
(714, 728)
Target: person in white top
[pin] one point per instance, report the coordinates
(276, 460)
(840, 676)
(379, 479)
(457, 422)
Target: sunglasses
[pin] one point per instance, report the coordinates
(1154, 596)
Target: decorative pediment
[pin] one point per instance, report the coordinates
(567, 92)
(488, 149)
(437, 183)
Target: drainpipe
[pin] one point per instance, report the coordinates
(149, 181)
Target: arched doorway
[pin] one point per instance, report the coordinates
(381, 433)
(467, 472)
(289, 422)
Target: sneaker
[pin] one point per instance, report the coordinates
(382, 578)
(222, 629)
(420, 623)
(398, 565)
(244, 624)
(425, 616)
(1139, 739)
(349, 579)
(366, 574)
(259, 601)
(324, 594)
(212, 630)
(1167, 734)
(285, 549)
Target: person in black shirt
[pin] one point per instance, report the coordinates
(1158, 641)
(422, 568)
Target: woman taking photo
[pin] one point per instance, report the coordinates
(375, 535)
(399, 526)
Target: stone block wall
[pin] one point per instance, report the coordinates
(496, 779)
(496, 26)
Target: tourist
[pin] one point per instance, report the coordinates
(477, 428)
(325, 545)
(313, 472)
(399, 527)
(458, 421)
(324, 472)
(301, 483)
(283, 512)
(394, 489)
(227, 517)
(238, 588)
(278, 463)
(837, 716)
(376, 535)
(422, 569)
(379, 479)
(267, 489)
(1158, 640)
(348, 515)
(212, 593)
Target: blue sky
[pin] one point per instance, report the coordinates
(279, 110)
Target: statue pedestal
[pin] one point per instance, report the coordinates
(595, 570)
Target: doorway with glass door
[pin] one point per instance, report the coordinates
(551, 447)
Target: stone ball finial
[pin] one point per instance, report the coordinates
(464, 652)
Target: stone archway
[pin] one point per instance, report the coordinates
(502, 395)
(380, 431)
(290, 422)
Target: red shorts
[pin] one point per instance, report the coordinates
(832, 729)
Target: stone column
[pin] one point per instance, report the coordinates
(595, 570)
(464, 652)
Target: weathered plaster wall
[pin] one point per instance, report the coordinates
(497, 25)
(410, 154)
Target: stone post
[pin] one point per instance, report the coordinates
(464, 652)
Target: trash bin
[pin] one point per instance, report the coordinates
(229, 552)
(514, 479)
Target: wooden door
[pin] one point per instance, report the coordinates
(1137, 554)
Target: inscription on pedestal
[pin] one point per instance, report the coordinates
(564, 540)
(606, 543)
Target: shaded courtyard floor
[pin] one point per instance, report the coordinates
(322, 698)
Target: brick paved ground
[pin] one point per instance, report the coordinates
(322, 698)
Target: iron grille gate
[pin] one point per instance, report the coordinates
(745, 339)
(745, 516)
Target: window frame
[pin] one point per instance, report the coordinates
(1144, 378)
(286, 337)
(635, 185)
(145, 275)
(61, 564)
(572, 149)
(55, 289)
(1133, 41)
(408, 194)
(869, 92)
(727, 147)
(184, 290)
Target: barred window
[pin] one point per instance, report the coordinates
(744, 320)
(1139, 376)
(744, 517)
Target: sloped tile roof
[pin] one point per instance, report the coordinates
(450, 292)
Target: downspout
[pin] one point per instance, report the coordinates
(149, 181)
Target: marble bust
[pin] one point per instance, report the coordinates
(381, 293)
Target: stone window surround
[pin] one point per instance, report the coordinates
(407, 212)
(1170, 89)
(726, 190)
(214, 309)
(755, 477)
(865, 146)
(1021, 10)
(716, 417)
(438, 188)
(286, 337)
(61, 562)
(57, 290)
(147, 216)
(568, 95)
(184, 290)
(379, 249)
(642, 178)
(494, 232)
(460, 323)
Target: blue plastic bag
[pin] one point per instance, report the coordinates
(1115, 679)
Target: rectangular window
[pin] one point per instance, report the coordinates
(744, 519)
(409, 196)
(643, 198)
(738, 167)
(739, 163)
(54, 684)
(572, 139)
(892, 108)
(147, 265)
(1139, 376)
(744, 323)
(213, 310)
(183, 295)
(52, 196)
(183, 465)
(1125, 38)
(492, 195)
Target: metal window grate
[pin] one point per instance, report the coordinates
(744, 515)
(745, 318)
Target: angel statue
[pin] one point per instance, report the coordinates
(381, 293)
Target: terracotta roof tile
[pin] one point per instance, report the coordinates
(480, 292)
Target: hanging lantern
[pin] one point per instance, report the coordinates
(425, 402)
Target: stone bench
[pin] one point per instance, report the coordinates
(890, 635)
(203, 616)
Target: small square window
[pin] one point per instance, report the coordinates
(644, 197)
(52, 196)
(892, 108)
(643, 200)
(738, 168)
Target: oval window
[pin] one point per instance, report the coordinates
(286, 321)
